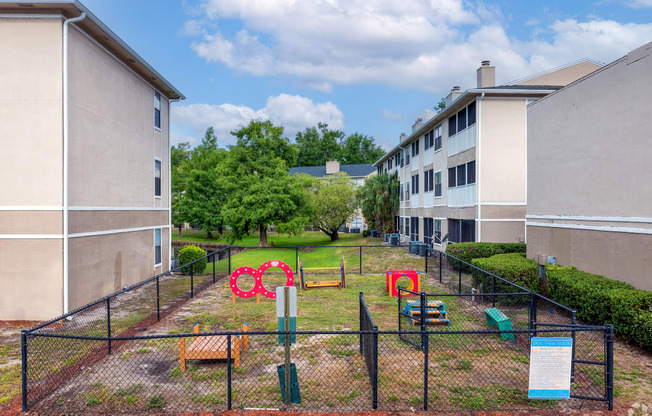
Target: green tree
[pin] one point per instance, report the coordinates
(334, 201)
(259, 188)
(179, 155)
(318, 145)
(440, 105)
(359, 148)
(379, 200)
(205, 195)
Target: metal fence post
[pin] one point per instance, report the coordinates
(108, 322)
(533, 313)
(158, 300)
(422, 318)
(23, 354)
(459, 287)
(427, 252)
(361, 326)
(374, 381)
(229, 260)
(399, 309)
(360, 259)
(440, 259)
(425, 368)
(493, 290)
(573, 321)
(296, 259)
(609, 388)
(228, 371)
(192, 280)
(213, 267)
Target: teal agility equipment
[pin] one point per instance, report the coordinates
(435, 312)
(295, 394)
(495, 318)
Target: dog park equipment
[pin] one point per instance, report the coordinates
(286, 310)
(213, 347)
(435, 312)
(394, 275)
(292, 314)
(258, 288)
(323, 283)
(495, 318)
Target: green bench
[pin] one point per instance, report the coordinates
(495, 318)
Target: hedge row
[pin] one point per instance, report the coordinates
(511, 266)
(599, 300)
(470, 251)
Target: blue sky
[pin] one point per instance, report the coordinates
(371, 66)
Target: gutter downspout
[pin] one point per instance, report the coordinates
(66, 23)
(477, 175)
(171, 228)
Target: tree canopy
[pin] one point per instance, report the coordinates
(333, 200)
(379, 199)
(179, 155)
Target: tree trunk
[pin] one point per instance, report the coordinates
(209, 234)
(220, 229)
(263, 236)
(334, 235)
(180, 226)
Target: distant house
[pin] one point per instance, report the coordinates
(85, 201)
(589, 187)
(462, 173)
(358, 174)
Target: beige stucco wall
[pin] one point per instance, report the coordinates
(31, 222)
(91, 221)
(563, 76)
(112, 136)
(30, 112)
(503, 231)
(620, 256)
(31, 277)
(117, 260)
(502, 170)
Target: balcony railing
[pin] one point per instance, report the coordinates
(461, 196)
(461, 141)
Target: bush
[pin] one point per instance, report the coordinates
(189, 254)
(511, 266)
(365, 233)
(470, 251)
(599, 300)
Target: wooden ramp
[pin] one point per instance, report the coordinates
(213, 347)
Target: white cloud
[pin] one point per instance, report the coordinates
(293, 112)
(391, 115)
(428, 45)
(638, 4)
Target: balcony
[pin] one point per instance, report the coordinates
(461, 141)
(461, 196)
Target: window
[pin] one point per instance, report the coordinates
(461, 120)
(415, 184)
(461, 175)
(414, 226)
(407, 191)
(437, 136)
(428, 140)
(437, 180)
(415, 148)
(427, 181)
(389, 163)
(407, 226)
(401, 191)
(427, 230)
(157, 247)
(437, 232)
(157, 110)
(452, 126)
(402, 158)
(157, 178)
(461, 231)
(471, 114)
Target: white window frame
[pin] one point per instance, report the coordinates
(158, 231)
(441, 183)
(158, 159)
(158, 100)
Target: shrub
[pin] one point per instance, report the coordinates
(189, 254)
(470, 251)
(599, 300)
(511, 266)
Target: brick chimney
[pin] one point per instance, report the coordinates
(403, 137)
(455, 92)
(417, 124)
(486, 75)
(332, 167)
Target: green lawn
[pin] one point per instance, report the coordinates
(309, 238)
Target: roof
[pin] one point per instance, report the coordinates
(522, 87)
(95, 28)
(354, 170)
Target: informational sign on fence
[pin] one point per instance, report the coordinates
(550, 368)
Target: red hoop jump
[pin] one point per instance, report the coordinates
(258, 276)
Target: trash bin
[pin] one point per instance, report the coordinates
(393, 240)
(423, 249)
(413, 247)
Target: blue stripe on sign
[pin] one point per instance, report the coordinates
(548, 394)
(552, 342)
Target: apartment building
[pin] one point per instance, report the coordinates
(589, 188)
(357, 172)
(463, 172)
(84, 127)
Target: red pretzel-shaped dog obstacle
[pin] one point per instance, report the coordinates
(258, 288)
